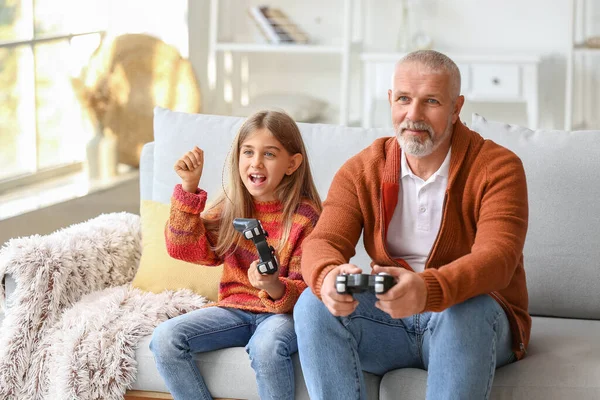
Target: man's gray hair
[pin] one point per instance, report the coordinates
(436, 62)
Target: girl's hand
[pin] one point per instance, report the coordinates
(269, 283)
(189, 168)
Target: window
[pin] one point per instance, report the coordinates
(43, 44)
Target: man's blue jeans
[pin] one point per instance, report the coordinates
(459, 347)
(269, 339)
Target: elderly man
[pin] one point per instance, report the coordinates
(444, 212)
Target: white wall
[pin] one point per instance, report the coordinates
(456, 26)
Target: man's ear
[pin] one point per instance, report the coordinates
(390, 96)
(295, 162)
(460, 101)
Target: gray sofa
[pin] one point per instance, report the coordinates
(562, 255)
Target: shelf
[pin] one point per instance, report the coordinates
(583, 49)
(278, 48)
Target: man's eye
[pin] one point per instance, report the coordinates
(433, 101)
(403, 99)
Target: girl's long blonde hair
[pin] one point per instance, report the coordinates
(236, 201)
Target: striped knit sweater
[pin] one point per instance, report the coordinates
(188, 240)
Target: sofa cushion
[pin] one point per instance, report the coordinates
(562, 256)
(227, 373)
(146, 171)
(562, 363)
(175, 133)
(158, 271)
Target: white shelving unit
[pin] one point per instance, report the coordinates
(510, 78)
(577, 53)
(343, 51)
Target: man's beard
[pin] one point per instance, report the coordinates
(417, 146)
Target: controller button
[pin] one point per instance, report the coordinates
(379, 287)
(340, 287)
(248, 234)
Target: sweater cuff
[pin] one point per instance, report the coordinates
(192, 203)
(283, 305)
(434, 292)
(319, 281)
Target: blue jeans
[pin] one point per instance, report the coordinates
(460, 347)
(270, 340)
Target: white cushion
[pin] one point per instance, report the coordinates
(175, 133)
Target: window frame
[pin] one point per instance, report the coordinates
(40, 174)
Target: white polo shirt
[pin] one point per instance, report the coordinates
(418, 214)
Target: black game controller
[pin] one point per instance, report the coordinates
(252, 229)
(357, 283)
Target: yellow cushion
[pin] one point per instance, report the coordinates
(158, 271)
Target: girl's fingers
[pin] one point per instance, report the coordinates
(192, 157)
(199, 154)
(188, 162)
(181, 165)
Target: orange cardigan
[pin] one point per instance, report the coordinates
(479, 248)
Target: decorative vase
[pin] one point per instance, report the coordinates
(92, 150)
(101, 152)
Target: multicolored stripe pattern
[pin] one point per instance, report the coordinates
(188, 240)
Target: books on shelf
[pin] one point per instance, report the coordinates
(276, 27)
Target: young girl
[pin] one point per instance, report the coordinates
(270, 180)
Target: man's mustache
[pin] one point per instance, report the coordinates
(416, 126)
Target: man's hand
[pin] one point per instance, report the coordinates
(339, 305)
(189, 168)
(268, 282)
(407, 297)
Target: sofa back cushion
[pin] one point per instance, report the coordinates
(562, 251)
(175, 133)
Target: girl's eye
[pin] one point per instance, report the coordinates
(269, 154)
(247, 152)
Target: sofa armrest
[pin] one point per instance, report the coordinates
(56, 270)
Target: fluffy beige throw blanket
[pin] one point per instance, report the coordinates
(72, 325)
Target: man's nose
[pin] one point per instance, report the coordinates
(415, 111)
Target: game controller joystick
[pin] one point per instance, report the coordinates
(252, 229)
(357, 283)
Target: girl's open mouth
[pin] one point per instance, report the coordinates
(257, 179)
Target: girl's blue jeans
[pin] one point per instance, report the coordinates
(269, 339)
(460, 347)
